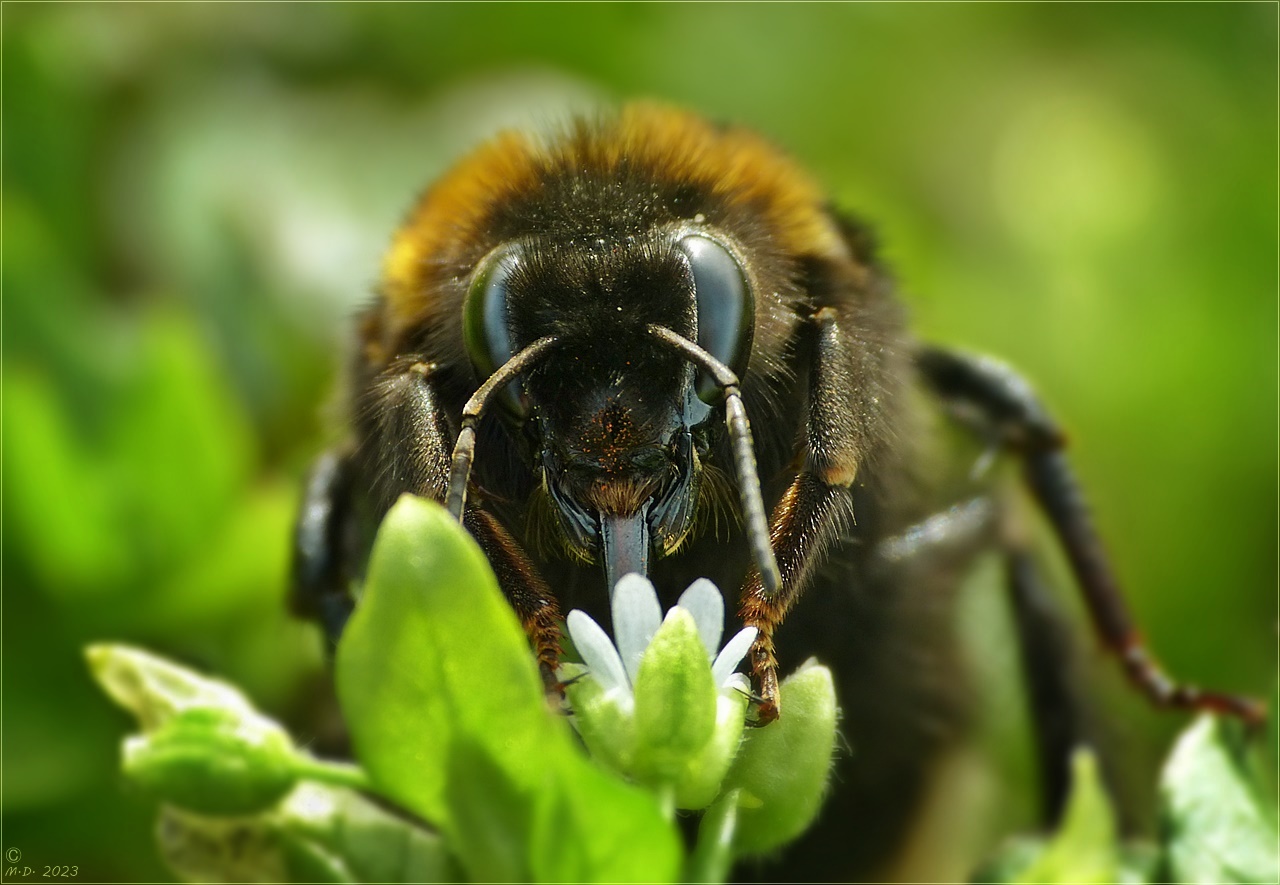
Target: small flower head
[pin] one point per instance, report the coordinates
(637, 617)
(664, 704)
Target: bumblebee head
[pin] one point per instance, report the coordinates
(622, 422)
(615, 284)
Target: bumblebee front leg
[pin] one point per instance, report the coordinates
(813, 510)
(1003, 405)
(524, 588)
(406, 444)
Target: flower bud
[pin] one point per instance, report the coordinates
(214, 761)
(782, 769)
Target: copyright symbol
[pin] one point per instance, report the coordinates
(13, 855)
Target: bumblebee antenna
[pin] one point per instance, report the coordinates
(464, 450)
(744, 456)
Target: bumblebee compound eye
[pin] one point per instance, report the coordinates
(725, 306)
(486, 329)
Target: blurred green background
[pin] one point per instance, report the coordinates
(196, 198)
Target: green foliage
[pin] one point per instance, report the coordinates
(242, 802)
(449, 717)
(1085, 847)
(319, 833)
(1215, 825)
(450, 720)
(447, 713)
(87, 527)
(1214, 820)
(426, 594)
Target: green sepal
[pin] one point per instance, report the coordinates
(675, 699)
(604, 720)
(704, 773)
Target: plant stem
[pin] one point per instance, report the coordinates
(336, 774)
(712, 856)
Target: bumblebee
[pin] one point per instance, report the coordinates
(647, 343)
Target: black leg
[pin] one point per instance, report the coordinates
(320, 576)
(406, 445)
(1001, 405)
(1048, 667)
(525, 589)
(816, 507)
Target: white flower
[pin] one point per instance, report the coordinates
(636, 618)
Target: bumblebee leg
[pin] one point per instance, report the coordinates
(320, 570)
(408, 444)
(991, 397)
(525, 589)
(813, 510)
(1048, 658)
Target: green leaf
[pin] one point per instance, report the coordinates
(221, 849)
(306, 861)
(175, 422)
(1084, 848)
(433, 652)
(448, 715)
(375, 844)
(57, 507)
(781, 770)
(490, 814)
(1214, 823)
(1015, 854)
(1138, 862)
(597, 829)
(237, 568)
(92, 496)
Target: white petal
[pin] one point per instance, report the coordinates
(636, 616)
(597, 651)
(731, 655)
(737, 682)
(704, 602)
